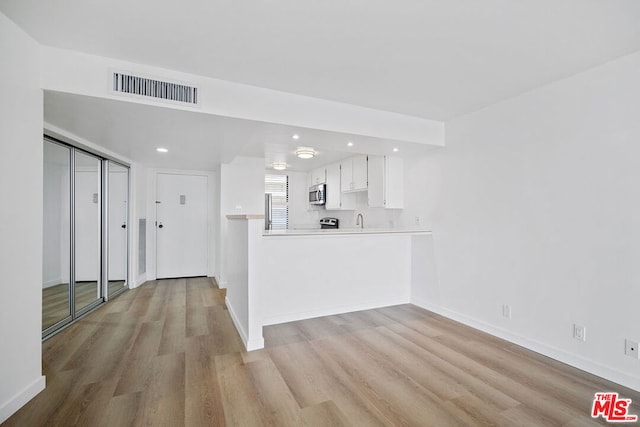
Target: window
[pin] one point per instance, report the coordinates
(278, 187)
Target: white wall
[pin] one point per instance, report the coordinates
(241, 192)
(538, 207)
(138, 211)
(373, 217)
(80, 73)
(363, 271)
(20, 219)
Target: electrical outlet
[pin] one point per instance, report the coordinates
(631, 348)
(506, 311)
(579, 332)
(418, 220)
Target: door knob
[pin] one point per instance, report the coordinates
(123, 226)
(160, 226)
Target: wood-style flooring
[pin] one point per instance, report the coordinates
(55, 299)
(167, 354)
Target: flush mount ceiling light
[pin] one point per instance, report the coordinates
(162, 150)
(279, 166)
(296, 136)
(395, 150)
(305, 152)
(349, 144)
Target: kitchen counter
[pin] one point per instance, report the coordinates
(282, 276)
(341, 231)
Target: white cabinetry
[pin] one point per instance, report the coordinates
(335, 199)
(318, 176)
(386, 182)
(354, 174)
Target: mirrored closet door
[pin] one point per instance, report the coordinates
(85, 238)
(56, 243)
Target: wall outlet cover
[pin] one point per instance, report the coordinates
(579, 332)
(631, 348)
(506, 311)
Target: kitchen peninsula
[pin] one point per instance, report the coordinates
(282, 276)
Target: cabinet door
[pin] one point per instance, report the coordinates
(333, 187)
(360, 172)
(309, 180)
(318, 176)
(376, 177)
(394, 183)
(346, 175)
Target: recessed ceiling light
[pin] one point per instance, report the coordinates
(279, 166)
(296, 136)
(395, 150)
(305, 152)
(349, 144)
(162, 150)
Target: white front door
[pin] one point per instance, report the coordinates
(181, 225)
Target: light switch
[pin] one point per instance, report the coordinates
(95, 197)
(183, 199)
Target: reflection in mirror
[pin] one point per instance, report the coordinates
(87, 230)
(56, 234)
(118, 197)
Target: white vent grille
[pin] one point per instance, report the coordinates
(135, 85)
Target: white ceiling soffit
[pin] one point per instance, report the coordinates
(431, 59)
(199, 141)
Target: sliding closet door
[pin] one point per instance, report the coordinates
(85, 226)
(87, 229)
(56, 250)
(118, 191)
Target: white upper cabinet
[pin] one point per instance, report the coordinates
(386, 182)
(354, 174)
(335, 199)
(318, 176)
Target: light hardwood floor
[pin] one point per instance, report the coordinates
(55, 299)
(167, 354)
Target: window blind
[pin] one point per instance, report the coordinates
(278, 187)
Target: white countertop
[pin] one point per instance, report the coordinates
(342, 231)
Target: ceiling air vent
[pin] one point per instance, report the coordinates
(135, 85)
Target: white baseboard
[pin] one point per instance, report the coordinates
(329, 311)
(236, 322)
(544, 349)
(140, 280)
(11, 406)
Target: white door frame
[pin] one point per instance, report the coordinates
(212, 205)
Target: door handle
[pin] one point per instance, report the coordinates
(160, 226)
(123, 226)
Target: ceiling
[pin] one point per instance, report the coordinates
(430, 59)
(200, 141)
(434, 59)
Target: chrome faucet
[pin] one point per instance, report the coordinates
(360, 220)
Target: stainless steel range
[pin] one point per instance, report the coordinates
(329, 223)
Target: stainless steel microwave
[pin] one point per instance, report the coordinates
(317, 194)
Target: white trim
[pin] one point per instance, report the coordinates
(12, 405)
(140, 280)
(555, 353)
(249, 345)
(338, 309)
